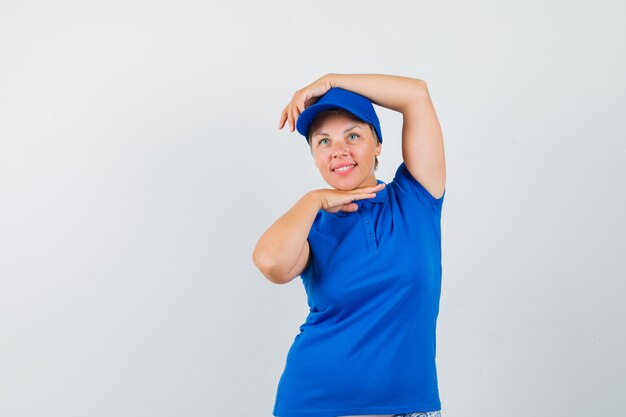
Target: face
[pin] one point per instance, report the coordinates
(339, 140)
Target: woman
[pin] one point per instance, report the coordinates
(369, 254)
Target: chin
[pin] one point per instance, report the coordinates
(344, 184)
(347, 183)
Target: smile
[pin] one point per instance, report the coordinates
(344, 170)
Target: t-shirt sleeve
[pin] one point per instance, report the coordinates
(408, 184)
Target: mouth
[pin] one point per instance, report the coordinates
(344, 169)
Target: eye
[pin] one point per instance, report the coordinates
(353, 134)
(321, 140)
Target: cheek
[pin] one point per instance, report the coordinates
(367, 153)
(321, 155)
(319, 160)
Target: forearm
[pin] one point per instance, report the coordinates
(390, 91)
(279, 248)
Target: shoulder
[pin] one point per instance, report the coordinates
(409, 187)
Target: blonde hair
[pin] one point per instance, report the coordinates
(328, 112)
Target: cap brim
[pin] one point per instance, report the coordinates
(306, 117)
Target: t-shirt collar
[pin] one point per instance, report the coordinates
(378, 198)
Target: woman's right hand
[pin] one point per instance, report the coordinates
(302, 99)
(333, 200)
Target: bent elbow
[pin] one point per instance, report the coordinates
(267, 267)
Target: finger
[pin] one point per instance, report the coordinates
(288, 112)
(376, 187)
(283, 119)
(289, 117)
(350, 207)
(361, 196)
(298, 113)
(367, 192)
(294, 116)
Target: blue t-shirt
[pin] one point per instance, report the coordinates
(373, 286)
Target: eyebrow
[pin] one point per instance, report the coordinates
(345, 131)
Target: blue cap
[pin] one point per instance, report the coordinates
(336, 97)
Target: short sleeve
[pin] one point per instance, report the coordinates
(408, 184)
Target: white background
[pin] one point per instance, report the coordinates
(140, 161)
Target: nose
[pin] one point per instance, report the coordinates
(340, 150)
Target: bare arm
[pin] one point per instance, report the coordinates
(390, 91)
(280, 248)
(282, 252)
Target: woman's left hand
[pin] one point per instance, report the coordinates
(302, 99)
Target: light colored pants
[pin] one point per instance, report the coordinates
(425, 414)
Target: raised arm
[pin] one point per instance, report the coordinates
(422, 138)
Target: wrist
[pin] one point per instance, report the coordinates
(330, 80)
(313, 198)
